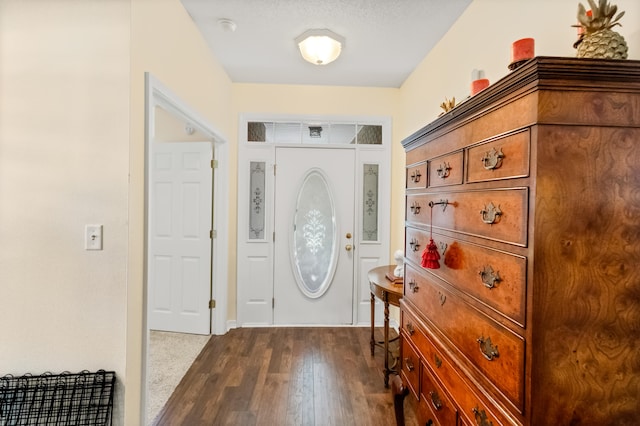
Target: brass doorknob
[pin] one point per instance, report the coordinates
(348, 247)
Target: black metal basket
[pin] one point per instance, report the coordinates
(76, 399)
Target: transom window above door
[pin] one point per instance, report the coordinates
(314, 133)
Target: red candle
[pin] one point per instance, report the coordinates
(479, 85)
(522, 50)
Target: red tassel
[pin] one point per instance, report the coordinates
(430, 256)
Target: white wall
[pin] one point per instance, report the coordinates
(64, 141)
(482, 38)
(166, 43)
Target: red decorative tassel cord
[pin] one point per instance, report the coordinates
(430, 255)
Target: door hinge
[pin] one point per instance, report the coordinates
(273, 303)
(274, 169)
(274, 236)
(214, 164)
(213, 234)
(212, 304)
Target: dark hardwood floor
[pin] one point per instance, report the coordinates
(286, 376)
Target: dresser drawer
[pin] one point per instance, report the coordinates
(496, 278)
(446, 170)
(417, 209)
(507, 157)
(410, 367)
(417, 176)
(467, 397)
(434, 401)
(498, 214)
(494, 350)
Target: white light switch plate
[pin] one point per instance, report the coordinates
(93, 237)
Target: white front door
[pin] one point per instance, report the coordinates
(180, 210)
(314, 236)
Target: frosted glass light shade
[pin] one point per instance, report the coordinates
(320, 47)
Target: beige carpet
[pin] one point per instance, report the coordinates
(170, 356)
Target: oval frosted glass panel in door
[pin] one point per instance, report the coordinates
(313, 248)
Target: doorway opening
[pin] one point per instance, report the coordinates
(184, 155)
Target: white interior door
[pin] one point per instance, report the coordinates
(180, 210)
(314, 236)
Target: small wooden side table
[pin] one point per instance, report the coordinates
(390, 293)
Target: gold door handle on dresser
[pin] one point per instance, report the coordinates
(410, 329)
(490, 213)
(409, 363)
(415, 207)
(492, 160)
(348, 247)
(414, 244)
(489, 277)
(443, 170)
(487, 348)
(435, 400)
(413, 286)
(481, 417)
(415, 176)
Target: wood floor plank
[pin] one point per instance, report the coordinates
(285, 376)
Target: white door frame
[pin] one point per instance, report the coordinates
(254, 258)
(159, 95)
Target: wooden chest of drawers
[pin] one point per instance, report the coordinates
(531, 192)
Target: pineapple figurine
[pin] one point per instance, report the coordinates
(597, 40)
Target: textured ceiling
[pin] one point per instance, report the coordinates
(385, 39)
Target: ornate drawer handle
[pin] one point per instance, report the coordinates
(442, 297)
(410, 329)
(437, 360)
(493, 159)
(443, 247)
(443, 170)
(415, 176)
(481, 417)
(415, 244)
(435, 400)
(413, 286)
(409, 364)
(415, 207)
(489, 351)
(443, 203)
(490, 213)
(489, 278)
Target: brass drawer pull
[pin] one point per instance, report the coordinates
(487, 348)
(481, 417)
(443, 170)
(409, 364)
(437, 360)
(435, 400)
(410, 329)
(489, 278)
(443, 203)
(490, 213)
(415, 208)
(492, 160)
(415, 244)
(413, 286)
(415, 176)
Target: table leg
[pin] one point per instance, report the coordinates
(386, 340)
(373, 319)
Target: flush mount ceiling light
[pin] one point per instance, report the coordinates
(320, 47)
